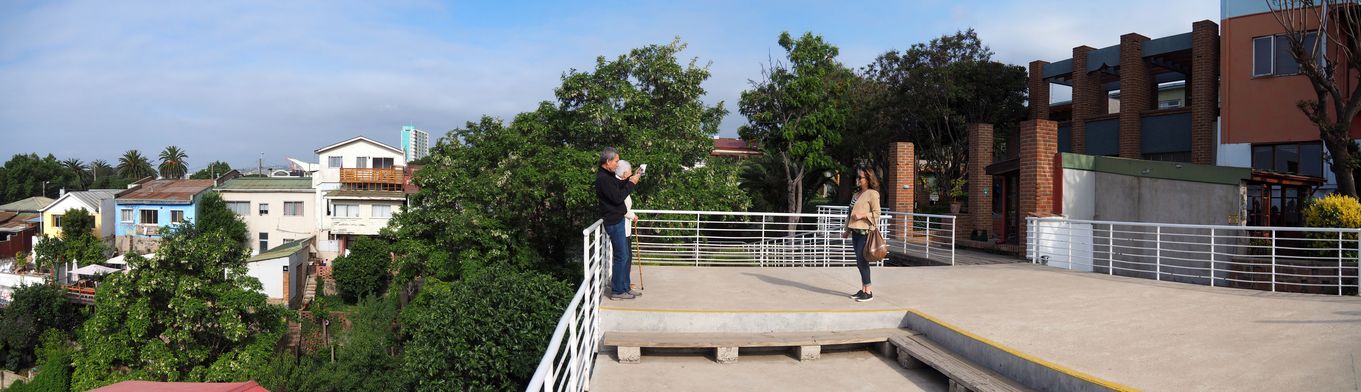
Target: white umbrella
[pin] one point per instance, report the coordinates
(92, 270)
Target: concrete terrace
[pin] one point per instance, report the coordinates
(1115, 332)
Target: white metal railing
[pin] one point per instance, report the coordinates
(913, 234)
(1296, 259)
(570, 359)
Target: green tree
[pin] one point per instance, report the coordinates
(364, 271)
(27, 175)
(104, 176)
(33, 310)
(54, 373)
(798, 111)
(212, 214)
(190, 313)
(133, 165)
(214, 169)
(173, 165)
(461, 338)
(936, 88)
(76, 222)
(80, 172)
(77, 242)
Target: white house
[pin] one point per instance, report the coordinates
(359, 185)
(282, 271)
(99, 203)
(276, 210)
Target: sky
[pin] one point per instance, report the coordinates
(245, 80)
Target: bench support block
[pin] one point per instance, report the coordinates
(808, 353)
(630, 354)
(725, 354)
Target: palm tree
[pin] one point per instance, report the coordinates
(172, 163)
(80, 170)
(133, 166)
(100, 168)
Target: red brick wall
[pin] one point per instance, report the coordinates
(899, 188)
(1039, 91)
(980, 183)
(1039, 145)
(1203, 93)
(1087, 92)
(1136, 93)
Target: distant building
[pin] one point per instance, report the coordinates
(282, 271)
(732, 147)
(359, 185)
(99, 203)
(276, 210)
(415, 143)
(148, 207)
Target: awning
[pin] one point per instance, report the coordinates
(92, 270)
(119, 259)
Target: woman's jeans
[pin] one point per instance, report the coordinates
(619, 272)
(858, 243)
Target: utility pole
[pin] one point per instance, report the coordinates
(261, 168)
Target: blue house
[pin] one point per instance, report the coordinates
(146, 208)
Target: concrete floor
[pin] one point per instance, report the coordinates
(858, 370)
(1140, 333)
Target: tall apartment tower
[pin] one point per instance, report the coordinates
(415, 143)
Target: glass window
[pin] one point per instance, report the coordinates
(292, 208)
(382, 163)
(1261, 158)
(264, 209)
(125, 215)
(382, 211)
(335, 162)
(1262, 55)
(1288, 158)
(56, 220)
(361, 162)
(148, 217)
(1285, 57)
(1311, 159)
(176, 216)
(264, 241)
(347, 210)
(241, 208)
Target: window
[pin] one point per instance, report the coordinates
(347, 210)
(361, 162)
(1271, 55)
(1169, 103)
(382, 163)
(382, 211)
(264, 209)
(56, 220)
(148, 217)
(1293, 158)
(292, 208)
(176, 216)
(125, 215)
(335, 162)
(241, 208)
(264, 241)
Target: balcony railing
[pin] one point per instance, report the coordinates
(371, 176)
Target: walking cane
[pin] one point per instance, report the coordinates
(641, 284)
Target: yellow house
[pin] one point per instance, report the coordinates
(98, 202)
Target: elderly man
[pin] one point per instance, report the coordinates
(612, 191)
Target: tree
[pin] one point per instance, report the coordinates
(364, 271)
(133, 165)
(190, 313)
(461, 338)
(54, 374)
(33, 310)
(81, 174)
(173, 165)
(798, 111)
(27, 175)
(1313, 28)
(935, 89)
(213, 214)
(215, 169)
(77, 242)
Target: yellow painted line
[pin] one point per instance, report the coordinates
(900, 310)
(1028, 357)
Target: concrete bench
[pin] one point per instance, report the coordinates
(916, 351)
(808, 345)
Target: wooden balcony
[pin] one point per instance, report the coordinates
(371, 176)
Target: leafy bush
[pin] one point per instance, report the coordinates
(364, 272)
(486, 332)
(1337, 211)
(54, 375)
(34, 309)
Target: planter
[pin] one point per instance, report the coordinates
(954, 207)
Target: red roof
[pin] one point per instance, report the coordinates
(727, 146)
(153, 386)
(166, 191)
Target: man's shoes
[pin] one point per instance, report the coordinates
(865, 298)
(858, 294)
(622, 296)
(635, 293)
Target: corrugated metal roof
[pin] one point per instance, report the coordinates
(285, 250)
(90, 198)
(346, 194)
(358, 138)
(267, 184)
(12, 222)
(32, 204)
(167, 191)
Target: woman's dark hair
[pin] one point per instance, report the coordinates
(870, 179)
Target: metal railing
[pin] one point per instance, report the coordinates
(913, 234)
(570, 359)
(1294, 259)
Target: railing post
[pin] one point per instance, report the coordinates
(1211, 256)
(762, 250)
(1273, 260)
(953, 222)
(697, 239)
(928, 238)
(1110, 249)
(1158, 253)
(1068, 237)
(1339, 262)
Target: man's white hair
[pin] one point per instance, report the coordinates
(624, 167)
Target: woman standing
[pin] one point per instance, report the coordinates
(864, 217)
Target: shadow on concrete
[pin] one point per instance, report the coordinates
(800, 285)
(1350, 321)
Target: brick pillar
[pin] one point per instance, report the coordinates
(1039, 146)
(1039, 91)
(899, 188)
(980, 183)
(1137, 92)
(288, 299)
(1086, 91)
(1202, 92)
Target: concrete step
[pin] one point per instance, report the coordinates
(807, 345)
(614, 319)
(915, 351)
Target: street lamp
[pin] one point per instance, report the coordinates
(44, 189)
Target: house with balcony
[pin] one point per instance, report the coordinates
(358, 185)
(98, 202)
(146, 208)
(276, 210)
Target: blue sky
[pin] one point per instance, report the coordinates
(231, 80)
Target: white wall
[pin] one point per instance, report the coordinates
(271, 275)
(281, 228)
(1078, 188)
(365, 224)
(348, 153)
(8, 282)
